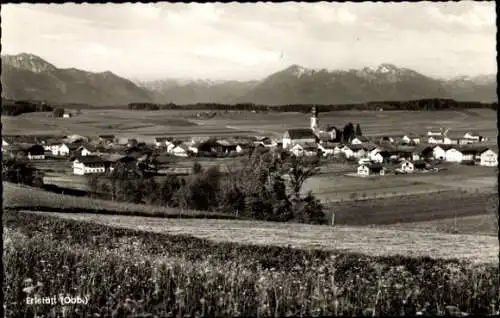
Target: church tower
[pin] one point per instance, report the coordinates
(314, 119)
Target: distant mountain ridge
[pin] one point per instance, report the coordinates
(27, 76)
(300, 85)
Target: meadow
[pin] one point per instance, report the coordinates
(125, 272)
(17, 197)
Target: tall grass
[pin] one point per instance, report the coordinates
(125, 272)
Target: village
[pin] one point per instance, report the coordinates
(369, 155)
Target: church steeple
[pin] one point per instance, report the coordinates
(314, 119)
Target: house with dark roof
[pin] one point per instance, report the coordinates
(371, 169)
(298, 136)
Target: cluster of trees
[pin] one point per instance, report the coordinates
(15, 108)
(267, 187)
(349, 132)
(422, 104)
(20, 172)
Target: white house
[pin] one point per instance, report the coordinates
(85, 151)
(298, 136)
(307, 150)
(407, 166)
(435, 140)
(180, 150)
(439, 153)
(61, 150)
(4, 143)
(370, 169)
(473, 136)
(66, 115)
(410, 138)
(359, 140)
(453, 155)
(488, 158)
(88, 165)
(377, 157)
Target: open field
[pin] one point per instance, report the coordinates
(368, 241)
(126, 272)
(411, 208)
(147, 124)
(485, 224)
(334, 186)
(19, 197)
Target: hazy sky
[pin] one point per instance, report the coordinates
(250, 41)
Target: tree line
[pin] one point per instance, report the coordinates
(412, 105)
(268, 186)
(15, 108)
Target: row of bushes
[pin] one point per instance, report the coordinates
(134, 273)
(258, 190)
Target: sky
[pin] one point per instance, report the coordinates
(238, 41)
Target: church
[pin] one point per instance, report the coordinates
(312, 135)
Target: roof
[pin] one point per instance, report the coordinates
(445, 147)
(107, 136)
(355, 147)
(454, 135)
(328, 145)
(370, 146)
(362, 138)
(301, 134)
(373, 166)
(89, 159)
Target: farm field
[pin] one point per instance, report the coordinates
(485, 224)
(368, 241)
(146, 125)
(181, 275)
(411, 208)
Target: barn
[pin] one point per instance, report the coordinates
(88, 165)
(371, 169)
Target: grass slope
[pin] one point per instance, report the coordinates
(123, 272)
(365, 240)
(20, 197)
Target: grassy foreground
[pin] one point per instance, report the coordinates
(127, 272)
(17, 197)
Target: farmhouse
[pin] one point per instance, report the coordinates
(180, 150)
(435, 140)
(439, 152)
(409, 139)
(407, 166)
(86, 150)
(66, 115)
(35, 152)
(435, 133)
(371, 169)
(474, 136)
(307, 149)
(488, 158)
(88, 165)
(298, 136)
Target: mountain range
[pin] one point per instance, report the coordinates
(27, 76)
